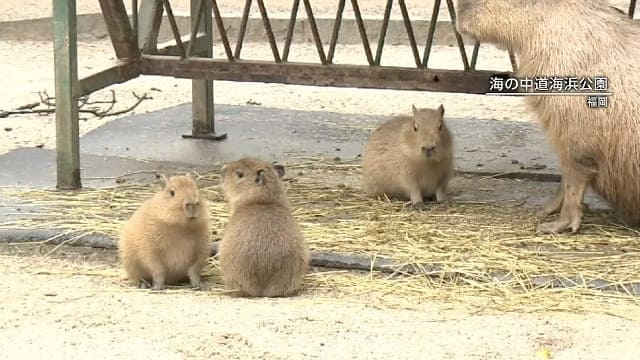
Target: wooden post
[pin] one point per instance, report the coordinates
(203, 125)
(66, 84)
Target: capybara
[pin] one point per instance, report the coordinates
(409, 158)
(167, 239)
(598, 147)
(262, 252)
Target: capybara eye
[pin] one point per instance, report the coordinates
(173, 193)
(240, 174)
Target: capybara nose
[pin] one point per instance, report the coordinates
(191, 210)
(428, 150)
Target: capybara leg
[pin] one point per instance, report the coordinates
(554, 204)
(575, 181)
(280, 290)
(441, 190)
(194, 277)
(416, 198)
(157, 274)
(158, 282)
(441, 193)
(234, 287)
(143, 284)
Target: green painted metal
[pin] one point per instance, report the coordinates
(203, 125)
(149, 20)
(67, 90)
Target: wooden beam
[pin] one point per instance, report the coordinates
(358, 76)
(119, 27)
(116, 74)
(66, 83)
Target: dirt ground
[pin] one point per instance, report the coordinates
(74, 304)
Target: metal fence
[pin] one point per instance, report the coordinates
(135, 43)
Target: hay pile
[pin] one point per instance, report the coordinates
(468, 243)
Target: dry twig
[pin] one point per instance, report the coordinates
(50, 104)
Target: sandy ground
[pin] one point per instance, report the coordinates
(29, 75)
(79, 296)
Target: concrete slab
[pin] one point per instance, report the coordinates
(36, 168)
(480, 145)
(152, 141)
(141, 145)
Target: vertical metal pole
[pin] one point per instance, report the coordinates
(149, 20)
(202, 90)
(134, 17)
(67, 87)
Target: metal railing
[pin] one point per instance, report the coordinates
(135, 44)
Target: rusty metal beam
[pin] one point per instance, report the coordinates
(222, 31)
(116, 74)
(122, 36)
(397, 78)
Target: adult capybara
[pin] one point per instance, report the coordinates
(167, 239)
(598, 147)
(409, 157)
(262, 252)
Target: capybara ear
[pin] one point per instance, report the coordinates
(163, 180)
(414, 110)
(441, 110)
(279, 169)
(260, 177)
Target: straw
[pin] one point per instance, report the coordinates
(479, 255)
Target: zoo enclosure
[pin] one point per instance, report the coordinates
(135, 42)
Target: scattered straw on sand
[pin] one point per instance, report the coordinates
(473, 240)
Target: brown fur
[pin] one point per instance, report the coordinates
(396, 162)
(262, 252)
(583, 38)
(167, 239)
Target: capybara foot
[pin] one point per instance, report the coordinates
(549, 210)
(194, 277)
(197, 284)
(158, 285)
(441, 196)
(564, 224)
(142, 284)
(417, 201)
(419, 206)
(201, 287)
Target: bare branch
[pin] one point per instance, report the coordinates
(49, 102)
